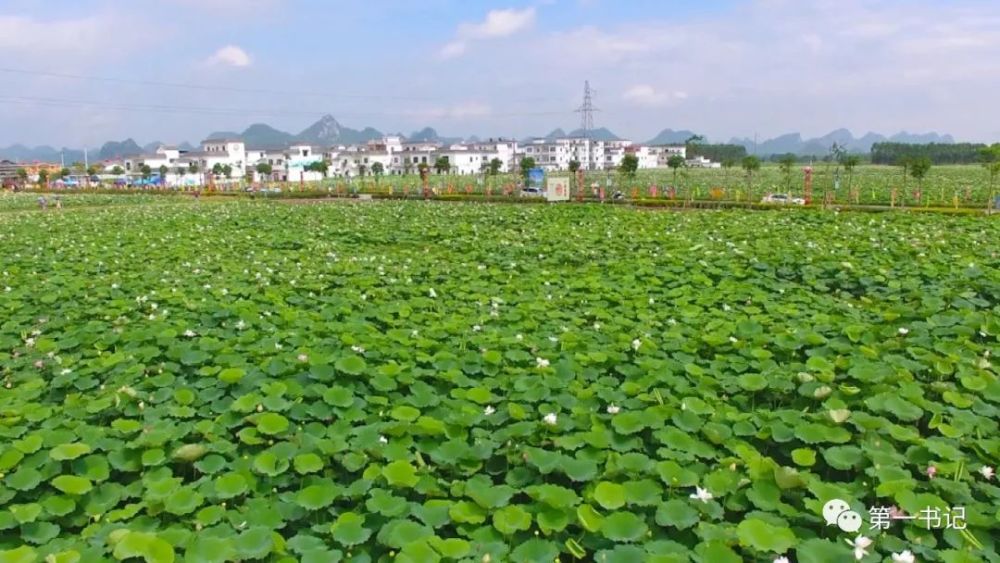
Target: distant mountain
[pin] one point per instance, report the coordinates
(671, 137)
(429, 135)
(794, 143)
(186, 146)
(222, 135)
(115, 150)
(599, 134)
(556, 133)
(328, 131)
(150, 148)
(263, 135)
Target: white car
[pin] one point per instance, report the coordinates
(783, 199)
(532, 192)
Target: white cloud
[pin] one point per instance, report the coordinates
(33, 41)
(498, 23)
(463, 110)
(646, 95)
(230, 55)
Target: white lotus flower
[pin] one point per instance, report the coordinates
(597, 326)
(189, 333)
(433, 294)
(476, 328)
(860, 546)
(29, 342)
(65, 371)
(733, 339)
(553, 339)
(542, 362)
(987, 472)
(303, 358)
(636, 343)
(701, 494)
(114, 286)
(651, 301)
(551, 419)
(240, 325)
(613, 409)
(781, 559)
(904, 557)
(489, 410)
(357, 349)
(8, 289)
(153, 306)
(903, 330)
(519, 337)
(383, 439)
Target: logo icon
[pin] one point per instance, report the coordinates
(838, 513)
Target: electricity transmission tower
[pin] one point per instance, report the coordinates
(586, 112)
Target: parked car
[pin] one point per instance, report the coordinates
(532, 192)
(783, 199)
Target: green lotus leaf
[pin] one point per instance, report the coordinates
(72, 485)
(69, 451)
(349, 530)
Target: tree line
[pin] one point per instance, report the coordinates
(955, 153)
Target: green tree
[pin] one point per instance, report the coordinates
(990, 157)
(675, 163)
(362, 168)
(527, 163)
(93, 170)
(377, 170)
(43, 176)
(117, 170)
(727, 165)
(750, 164)
(442, 165)
(264, 169)
(227, 171)
(423, 169)
(22, 175)
(785, 164)
(574, 165)
(919, 167)
(320, 166)
(217, 169)
(193, 168)
(63, 173)
(495, 165)
(146, 171)
(629, 165)
(163, 171)
(850, 162)
(904, 163)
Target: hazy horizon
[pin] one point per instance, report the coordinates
(85, 72)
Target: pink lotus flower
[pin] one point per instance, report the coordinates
(931, 471)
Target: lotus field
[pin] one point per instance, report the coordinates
(944, 186)
(419, 382)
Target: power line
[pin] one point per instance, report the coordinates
(205, 87)
(172, 108)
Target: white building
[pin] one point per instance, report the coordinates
(665, 152)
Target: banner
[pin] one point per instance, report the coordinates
(557, 189)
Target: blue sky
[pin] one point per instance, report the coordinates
(723, 68)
